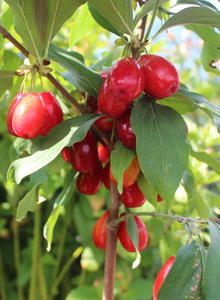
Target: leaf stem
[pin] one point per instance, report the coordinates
(110, 254)
(152, 20)
(180, 219)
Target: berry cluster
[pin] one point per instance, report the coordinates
(34, 114)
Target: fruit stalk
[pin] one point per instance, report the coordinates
(110, 254)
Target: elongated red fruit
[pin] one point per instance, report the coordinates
(99, 234)
(161, 276)
(124, 131)
(132, 196)
(125, 239)
(104, 153)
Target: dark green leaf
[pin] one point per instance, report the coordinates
(147, 190)
(102, 21)
(189, 184)
(62, 199)
(82, 293)
(184, 279)
(201, 3)
(65, 134)
(117, 12)
(121, 158)
(132, 230)
(161, 145)
(28, 203)
(82, 77)
(37, 21)
(193, 15)
(210, 51)
(212, 266)
(207, 159)
(146, 8)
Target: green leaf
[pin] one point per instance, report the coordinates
(117, 12)
(189, 184)
(132, 230)
(180, 102)
(210, 51)
(6, 74)
(91, 259)
(147, 190)
(37, 22)
(82, 293)
(212, 266)
(65, 134)
(201, 3)
(80, 28)
(102, 21)
(121, 158)
(193, 15)
(184, 278)
(82, 77)
(28, 203)
(146, 8)
(62, 199)
(207, 159)
(161, 145)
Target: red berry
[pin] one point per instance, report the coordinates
(33, 114)
(99, 234)
(84, 154)
(90, 183)
(126, 240)
(110, 105)
(125, 80)
(66, 153)
(161, 276)
(124, 131)
(106, 176)
(161, 77)
(103, 153)
(159, 198)
(104, 123)
(130, 174)
(132, 196)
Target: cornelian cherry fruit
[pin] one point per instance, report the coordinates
(161, 78)
(125, 81)
(130, 174)
(104, 123)
(99, 234)
(132, 196)
(161, 276)
(103, 153)
(125, 239)
(83, 155)
(33, 114)
(159, 198)
(124, 131)
(91, 182)
(110, 105)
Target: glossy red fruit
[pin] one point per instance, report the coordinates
(103, 153)
(126, 241)
(67, 154)
(161, 77)
(124, 131)
(131, 174)
(84, 154)
(125, 80)
(33, 114)
(106, 176)
(99, 234)
(161, 276)
(132, 196)
(110, 105)
(91, 182)
(159, 198)
(104, 123)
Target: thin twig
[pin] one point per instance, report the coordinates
(110, 255)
